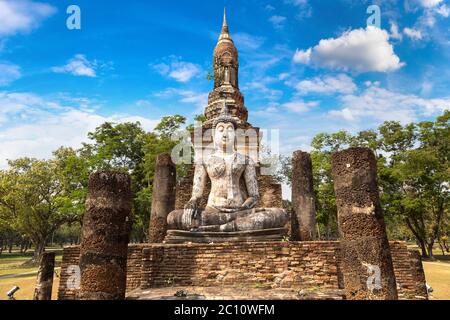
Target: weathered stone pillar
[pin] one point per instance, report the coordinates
(44, 282)
(104, 244)
(303, 197)
(366, 256)
(163, 197)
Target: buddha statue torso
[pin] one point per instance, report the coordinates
(225, 173)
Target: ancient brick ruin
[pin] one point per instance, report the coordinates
(104, 243)
(309, 264)
(163, 197)
(303, 197)
(364, 244)
(111, 269)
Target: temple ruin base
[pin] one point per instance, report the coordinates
(309, 266)
(179, 236)
(236, 293)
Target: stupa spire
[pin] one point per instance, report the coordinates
(225, 34)
(224, 24)
(226, 79)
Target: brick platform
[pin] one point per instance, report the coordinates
(236, 293)
(290, 265)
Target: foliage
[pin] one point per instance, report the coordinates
(34, 201)
(413, 176)
(43, 198)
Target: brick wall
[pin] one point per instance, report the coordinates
(408, 271)
(281, 264)
(69, 267)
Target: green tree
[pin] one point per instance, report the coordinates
(34, 200)
(413, 176)
(421, 175)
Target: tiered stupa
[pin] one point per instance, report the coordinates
(226, 80)
(226, 92)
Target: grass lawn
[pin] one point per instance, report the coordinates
(11, 264)
(26, 285)
(437, 275)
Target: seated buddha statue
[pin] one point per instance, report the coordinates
(231, 204)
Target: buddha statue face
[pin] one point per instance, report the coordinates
(225, 136)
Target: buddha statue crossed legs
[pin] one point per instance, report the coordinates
(229, 207)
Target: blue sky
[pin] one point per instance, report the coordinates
(305, 66)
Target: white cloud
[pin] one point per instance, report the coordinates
(37, 126)
(21, 16)
(430, 3)
(9, 73)
(340, 83)
(413, 34)
(379, 104)
(305, 9)
(261, 85)
(426, 88)
(198, 99)
(177, 69)
(283, 76)
(360, 50)
(78, 66)
(299, 106)
(303, 56)
(297, 2)
(395, 33)
(277, 21)
(443, 11)
(245, 41)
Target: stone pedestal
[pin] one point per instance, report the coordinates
(106, 225)
(265, 235)
(366, 257)
(44, 282)
(303, 197)
(163, 197)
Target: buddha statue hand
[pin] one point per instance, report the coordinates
(190, 213)
(249, 203)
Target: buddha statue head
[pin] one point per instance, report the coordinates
(225, 126)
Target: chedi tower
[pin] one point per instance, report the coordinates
(226, 93)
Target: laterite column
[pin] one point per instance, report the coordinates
(163, 197)
(104, 244)
(366, 256)
(303, 197)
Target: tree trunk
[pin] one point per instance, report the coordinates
(23, 245)
(419, 239)
(430, 251)
(10, 246)
(423, 248)
(38, 251)
(442, 247)
(1, 246)
(444, 243)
